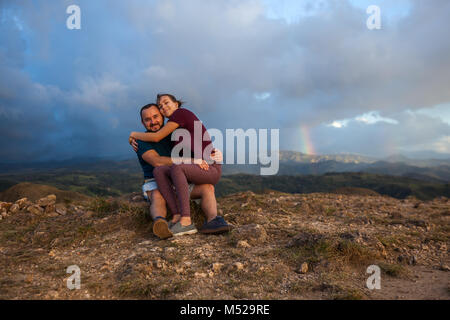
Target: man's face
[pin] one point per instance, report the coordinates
(152, 119)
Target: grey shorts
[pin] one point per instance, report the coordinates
(150, 185)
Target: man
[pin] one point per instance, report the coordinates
(153, 154)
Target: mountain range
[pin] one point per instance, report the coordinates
(291, 163)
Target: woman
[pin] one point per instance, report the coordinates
(181, 174)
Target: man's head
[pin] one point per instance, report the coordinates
(151, 117)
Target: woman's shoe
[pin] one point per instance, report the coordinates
(179, 230)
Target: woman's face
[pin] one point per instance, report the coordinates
(167, 106)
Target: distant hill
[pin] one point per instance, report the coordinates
(396, 187)
(432, 174)
(291, 163)
(35, 192)
(298, 173)
(355, 191)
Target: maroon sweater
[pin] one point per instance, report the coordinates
(186, 120)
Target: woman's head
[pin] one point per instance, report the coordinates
(167, 103)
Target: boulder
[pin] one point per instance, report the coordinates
(4, 206)
(50, 208)
(48, 200)
(251, 233)
(22, 203)
(14, 208)
(60, 209)
(35, 209)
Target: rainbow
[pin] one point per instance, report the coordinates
(306, 143)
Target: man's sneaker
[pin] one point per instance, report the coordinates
(216, 226)
(161, 228)
(179, 230)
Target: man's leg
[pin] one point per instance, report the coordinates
(157, 204)
(208, 202)
(157, 211)
(215, 224)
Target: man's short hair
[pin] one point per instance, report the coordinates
(148, 106)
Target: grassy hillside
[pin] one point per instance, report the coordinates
(115, 183)
(396, 187)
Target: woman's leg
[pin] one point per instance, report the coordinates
(183, 173)
(163, 180)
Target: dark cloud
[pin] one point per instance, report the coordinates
(67, 93)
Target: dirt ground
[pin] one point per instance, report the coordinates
(284, 246)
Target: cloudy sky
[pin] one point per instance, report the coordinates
(309, 68)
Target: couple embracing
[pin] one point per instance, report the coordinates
(175, 180)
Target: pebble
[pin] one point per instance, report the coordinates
(303, 268)
(444, 267)
(238, 266)
(243, 244)
(35, 209)
(200, 275)
(179, 270)
(217, 266)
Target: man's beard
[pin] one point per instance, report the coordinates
(153, 128)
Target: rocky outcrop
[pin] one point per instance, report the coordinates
(42, 206)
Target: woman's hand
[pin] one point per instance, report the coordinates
(134, 144)
(217, 155)
(131, 137)
(202, 163)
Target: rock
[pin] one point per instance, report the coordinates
(40, 237)
(88, 214)
(305, 239)
(381, 248)
(238, 266)
(396, 215)
(251, 233)
(217, 266)
(5, 206)
(179, 270)
(303, 268)
(418, 223)
(48, 200)
(411, 260)
(159, 264)
(61, 209)
(243, 244)
(22, 203)
(200, 275)
(14, 208)
(52, 214)
(444, 267)
(35, 209)
(138, 198)
(50, 208)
